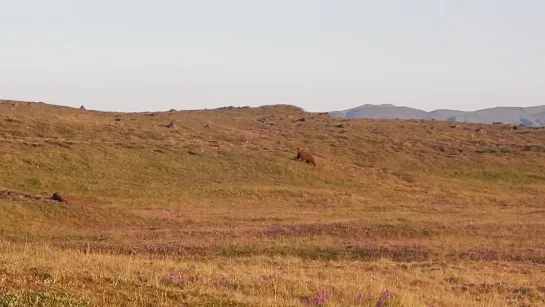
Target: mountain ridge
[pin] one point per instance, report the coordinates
(528, 116)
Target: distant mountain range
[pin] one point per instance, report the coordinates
(530, 116)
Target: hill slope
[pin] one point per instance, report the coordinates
(216, 212)
(531, 116)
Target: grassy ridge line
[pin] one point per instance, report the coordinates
(349, 156)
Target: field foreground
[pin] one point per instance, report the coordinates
(213, 210)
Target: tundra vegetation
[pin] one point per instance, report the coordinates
(215, 211)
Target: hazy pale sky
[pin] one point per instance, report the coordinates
(137, 55)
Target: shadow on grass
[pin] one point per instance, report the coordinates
(396, 253)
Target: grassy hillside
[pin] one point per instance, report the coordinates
(216, 211)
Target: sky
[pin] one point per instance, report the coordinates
(137, 55)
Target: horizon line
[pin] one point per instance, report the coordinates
(275, 104)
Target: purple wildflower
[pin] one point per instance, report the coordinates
(388, 294)
(177, 279)
(222, 282)
(359, 299)
(320, 298)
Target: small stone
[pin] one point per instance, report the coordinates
(58, 197)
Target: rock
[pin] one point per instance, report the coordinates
(82, 107)
(172, 110)
(302, 119)
(172, 125)
(58, 197)
(195, 152)
(339, 126)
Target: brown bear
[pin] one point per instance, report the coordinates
(302, 155)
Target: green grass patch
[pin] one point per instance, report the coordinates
(28, 298)
(32, 183)
(505, 176)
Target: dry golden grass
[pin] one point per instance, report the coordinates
(216, 212)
